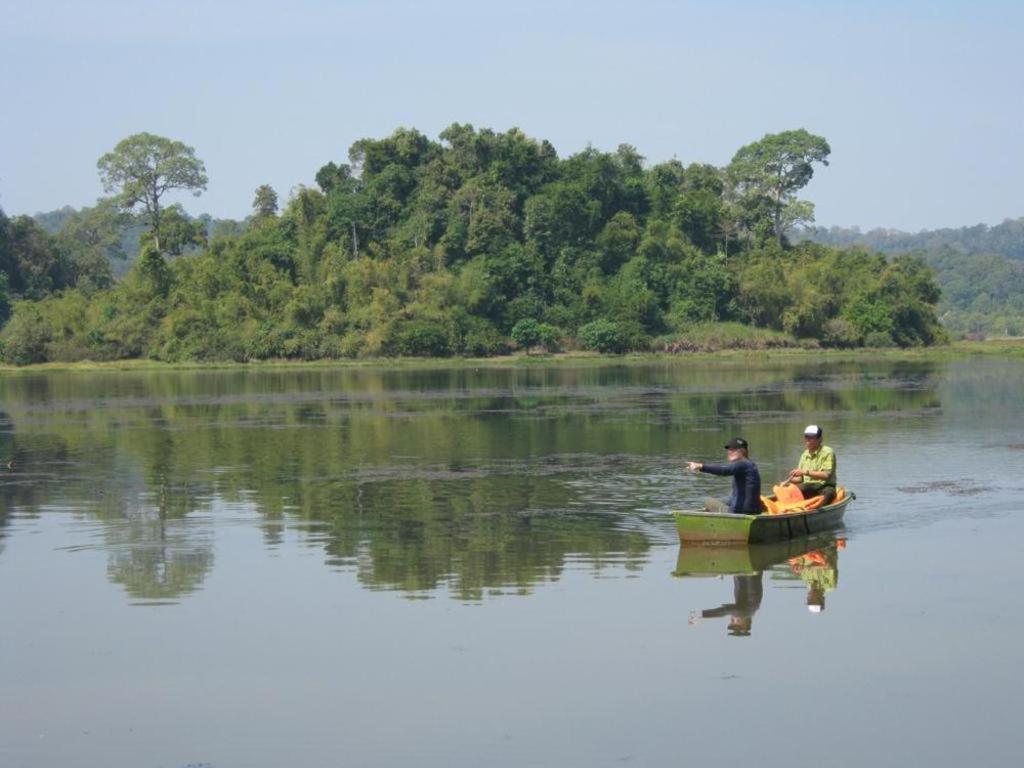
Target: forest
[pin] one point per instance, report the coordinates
(980, 270)
(476, 244)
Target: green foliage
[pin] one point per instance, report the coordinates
(142, 168)
(878, 339)
(526, 333)
(419, 338)
(713, 337)
(26, 336)
(264, 202)
(475, 337)
(5, 300)
(768, 173)
(462, 246)
(840, 296)
(550, 337)
(604, 336)
(178, 233)
(30, 259)
(92, 239)
(980, 270)
(153, 272)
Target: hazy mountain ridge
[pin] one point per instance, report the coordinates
(1006, 239)
(53, 221)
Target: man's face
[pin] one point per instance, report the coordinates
(734, 453)
(811, 442)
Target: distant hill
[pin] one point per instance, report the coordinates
(53, 221)
(980, 269)
(1006, 239)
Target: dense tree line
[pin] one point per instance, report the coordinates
(980, 270)
(471, 245)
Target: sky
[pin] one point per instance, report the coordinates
(921, 102)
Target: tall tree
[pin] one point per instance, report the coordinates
(768, 174)
(142, 168)
(264, 204)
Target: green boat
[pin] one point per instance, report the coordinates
(724, 528)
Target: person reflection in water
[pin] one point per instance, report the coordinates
(819, 570)
(747, 593)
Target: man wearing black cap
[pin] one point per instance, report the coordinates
(746, 480)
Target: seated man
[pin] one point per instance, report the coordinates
(746, 480)
(815, 475)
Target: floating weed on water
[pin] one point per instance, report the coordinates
(961, 487)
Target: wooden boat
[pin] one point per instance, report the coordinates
(724, 528)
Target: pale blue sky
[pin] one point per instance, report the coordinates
(921, 101)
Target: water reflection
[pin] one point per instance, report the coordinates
(819, 570)
(470, 482)
(748, 592)
(813, 560)
(160, 548)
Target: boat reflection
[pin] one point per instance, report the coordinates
(813, 560)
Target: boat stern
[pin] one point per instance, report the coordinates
(709, 527)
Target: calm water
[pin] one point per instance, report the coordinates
(461, 568)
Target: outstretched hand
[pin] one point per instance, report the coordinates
(694, 466)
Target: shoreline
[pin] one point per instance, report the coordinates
(955, 350)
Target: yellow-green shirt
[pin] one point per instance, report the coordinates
(822, 460)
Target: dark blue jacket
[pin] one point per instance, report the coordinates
(746, 485)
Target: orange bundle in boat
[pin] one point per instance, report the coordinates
(789, 498)
(788, 493)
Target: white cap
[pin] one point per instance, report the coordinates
(814, 608)
(812, 430)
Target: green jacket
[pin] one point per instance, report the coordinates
(823, 460)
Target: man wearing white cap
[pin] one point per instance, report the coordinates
(815, 475)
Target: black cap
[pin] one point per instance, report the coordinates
(737, 442)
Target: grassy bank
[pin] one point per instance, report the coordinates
(952, 351)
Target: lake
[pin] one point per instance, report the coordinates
(458, 567)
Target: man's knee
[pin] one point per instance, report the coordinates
(807, 490)
(716, 505)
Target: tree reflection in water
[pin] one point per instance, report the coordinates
(161, 547)
(469, 482)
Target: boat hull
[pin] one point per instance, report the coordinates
(719, 528)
